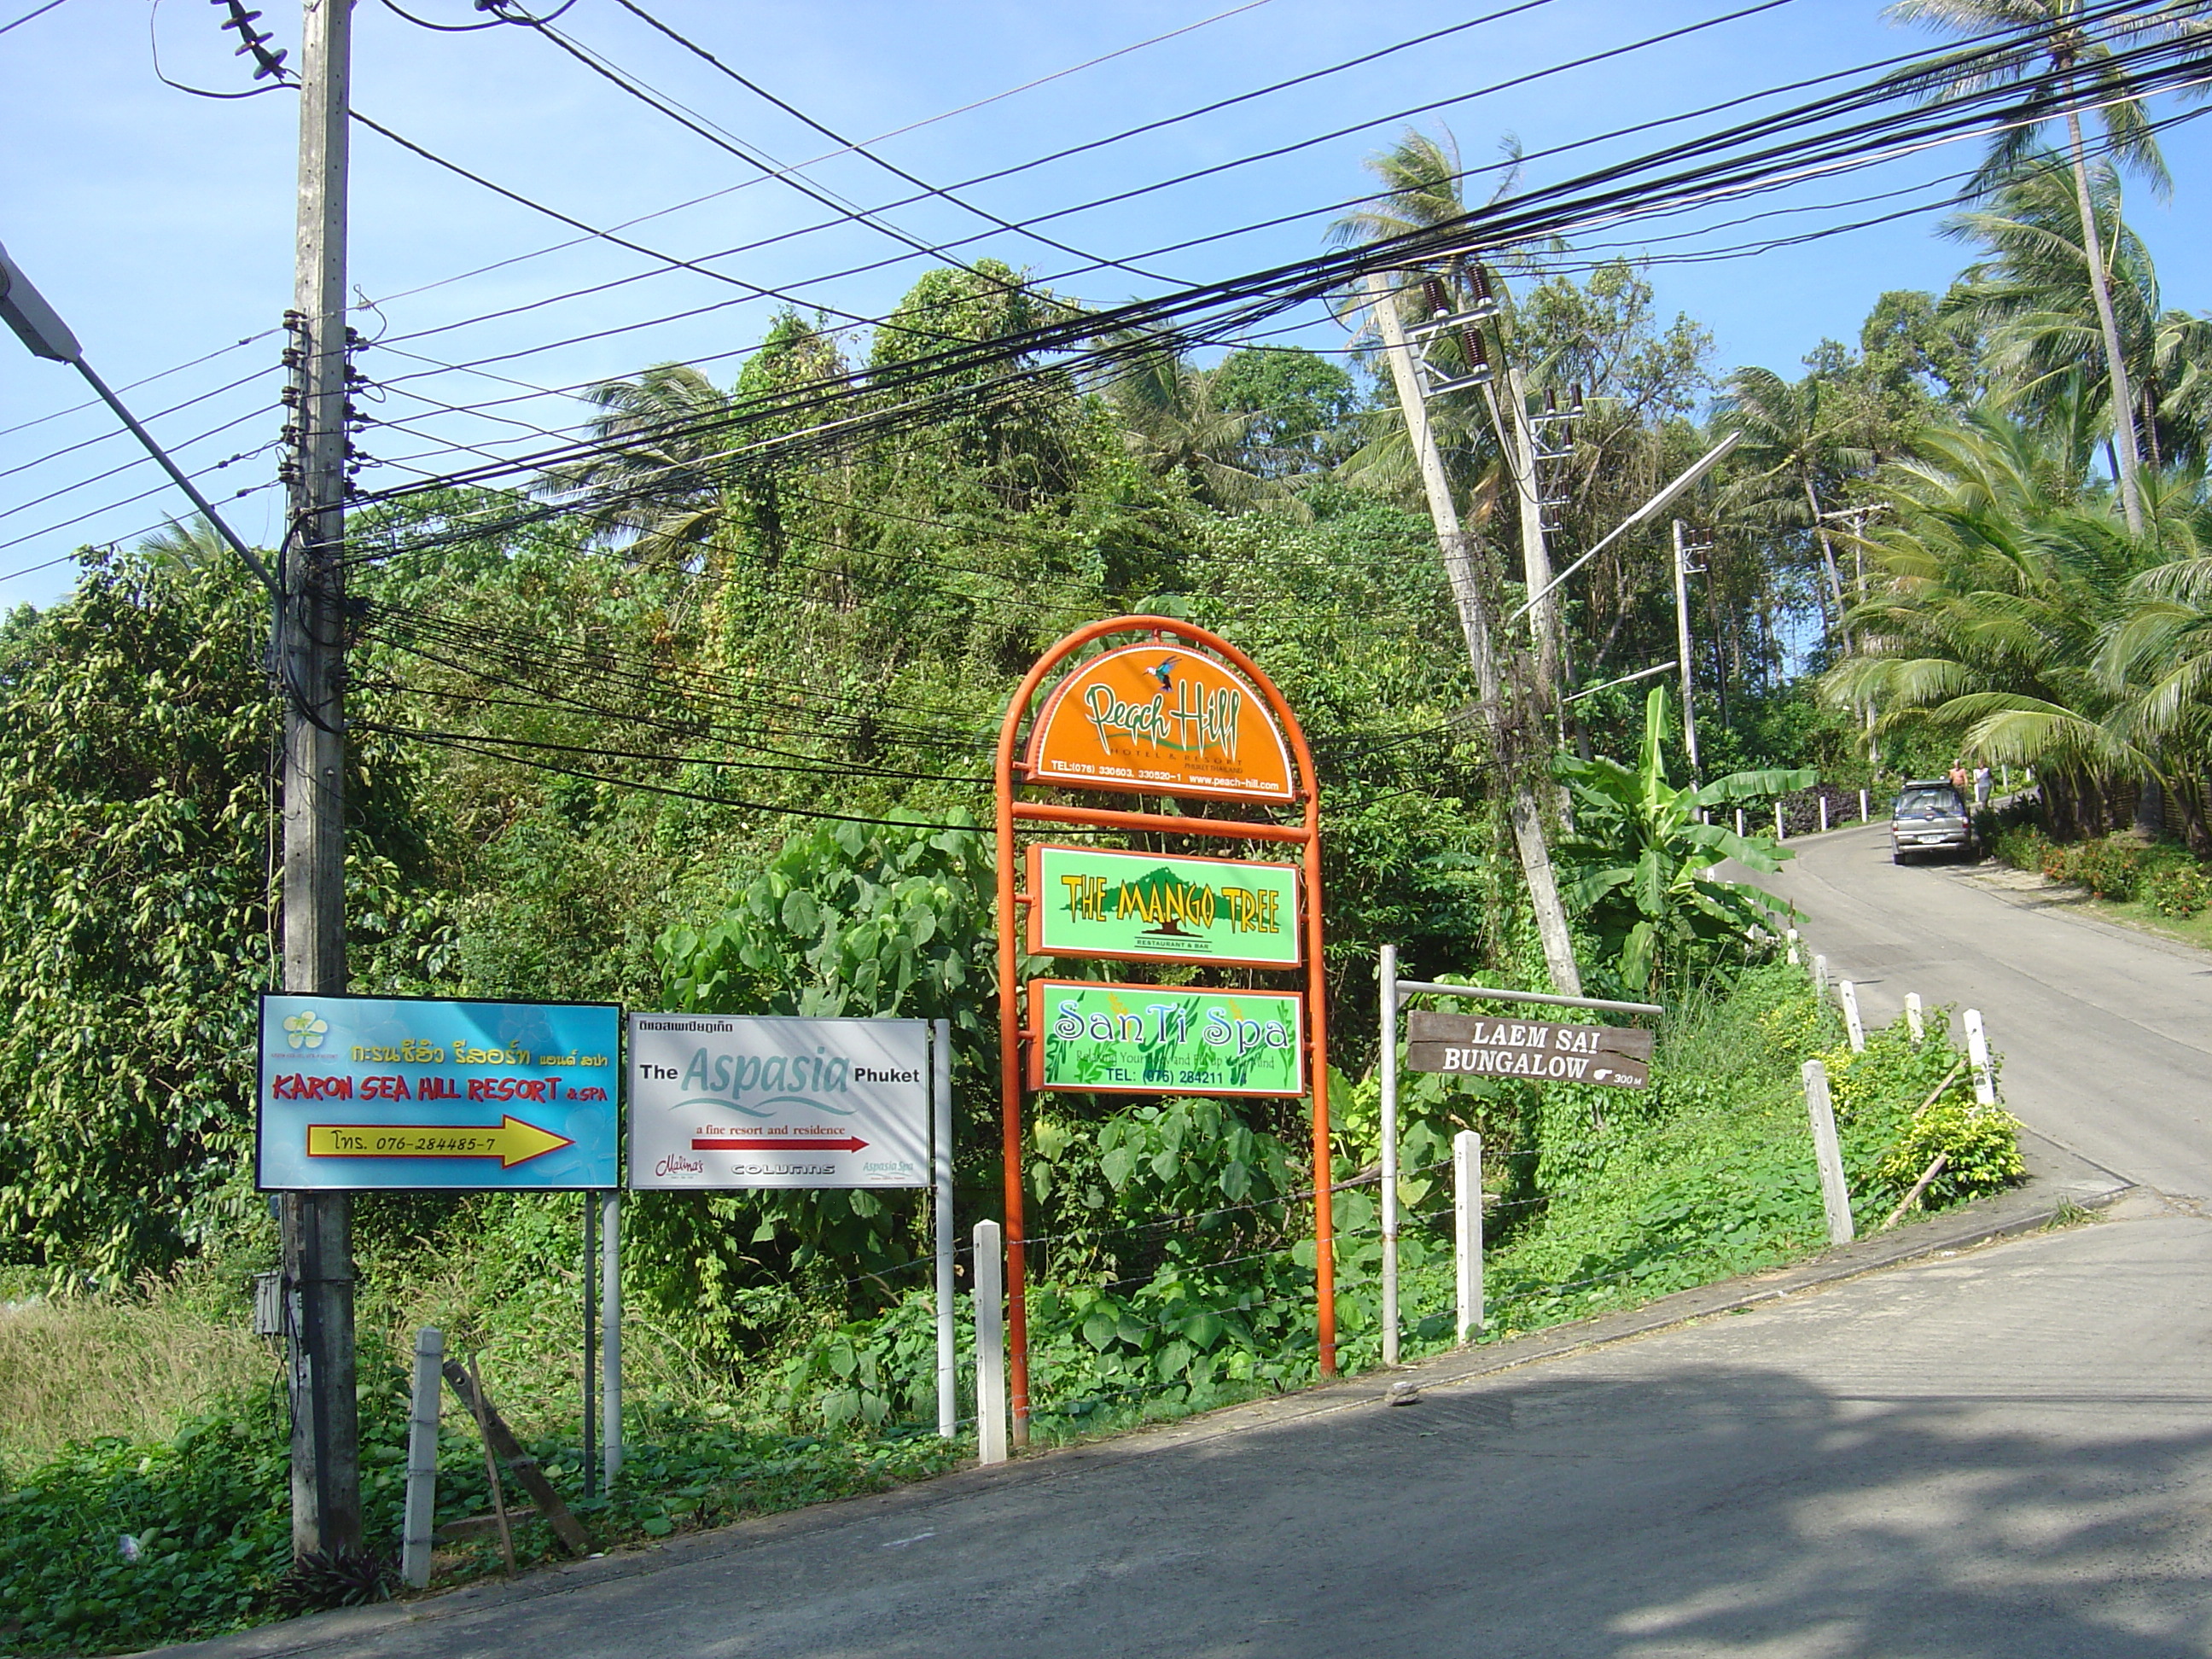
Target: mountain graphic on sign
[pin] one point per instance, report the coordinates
(1164, 900)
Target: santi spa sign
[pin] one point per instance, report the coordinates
(1160, 719)
(1141, 907)
(775, 1101)
(1159, 1039)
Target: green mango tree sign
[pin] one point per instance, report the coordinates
(1143, 907)
(1157, 1039)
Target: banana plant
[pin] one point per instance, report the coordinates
(1638, 868)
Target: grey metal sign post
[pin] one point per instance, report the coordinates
(1394, 994)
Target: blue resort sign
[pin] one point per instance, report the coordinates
(406, 1094)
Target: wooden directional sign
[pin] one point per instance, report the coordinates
(1470, 1045)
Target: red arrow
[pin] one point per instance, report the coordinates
(772, 1143)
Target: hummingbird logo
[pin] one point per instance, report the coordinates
(1165, 673)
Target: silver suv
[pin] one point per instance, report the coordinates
(1930, 816)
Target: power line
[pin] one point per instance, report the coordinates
(829, 155)
(28, 15)
(1821, 153)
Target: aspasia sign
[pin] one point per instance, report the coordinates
(1157, 1039)
(773, 1101)
(402, 1094)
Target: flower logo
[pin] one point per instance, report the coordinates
(305, 1030)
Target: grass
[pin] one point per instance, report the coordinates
(136, 1368)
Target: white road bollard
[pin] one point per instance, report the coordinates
(1739, 822)
(1820, 976)
(1835, 1195)
(1467, 1231)
(1793, 947)
(1848, 995)
(1978, 1057)
(1824, 815)
(990, 1345)
(1913, 1021)
(1780, 833)
(1863, 806)
(422, 1511)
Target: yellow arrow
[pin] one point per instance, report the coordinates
(512, 1142)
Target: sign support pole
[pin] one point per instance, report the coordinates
(590, 1344)
(941, 1224)
(1388, 1069)
(611, 1430)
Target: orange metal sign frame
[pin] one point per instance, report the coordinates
(1222, 733)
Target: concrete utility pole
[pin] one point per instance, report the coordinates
(1507, 741)
(1520, 434)
(1682, 649)
(310, 655)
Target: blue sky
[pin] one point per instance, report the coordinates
(161, 224)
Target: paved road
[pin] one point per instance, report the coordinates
(2105, 1034)
(2006, 1454)
(1990, 1457)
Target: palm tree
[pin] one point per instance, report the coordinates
(2005, 582)
(2066, 50)
(654, 476)
(1795, 439)
(2033, 297)
(1173, 421)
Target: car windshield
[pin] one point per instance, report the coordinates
(1929, 803)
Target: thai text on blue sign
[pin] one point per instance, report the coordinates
(410, 1093)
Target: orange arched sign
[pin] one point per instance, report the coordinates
(1161, 719)
(1181, 712)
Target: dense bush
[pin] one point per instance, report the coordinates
(2169, 878)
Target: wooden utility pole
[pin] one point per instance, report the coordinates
(1682, 649)
(309, 652)
(1510, 743)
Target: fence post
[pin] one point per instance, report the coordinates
(1848, 995)
(1835, 1196)
(1780, 833)
(1793, 947)
(1978, 1056)
(611, 1430)
(1467, 1231)
(1863, 806)
(1739, 822)
(990, 1345)
(1913, 1021)
(1824, 813)
(1820, 976)
(1388, 979)
(941, 1224)
(422, 1512)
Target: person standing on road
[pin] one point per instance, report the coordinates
(1981, 787)
(1957, 776)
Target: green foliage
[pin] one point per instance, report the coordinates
(2170, 879)
(209, 1511)
(1980, 1145)
(135, 873)
(847, 920)
(1640, 856)
(2178, 890)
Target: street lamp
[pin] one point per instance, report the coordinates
(39, 326)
